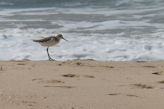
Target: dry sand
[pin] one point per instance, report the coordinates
(81, 84)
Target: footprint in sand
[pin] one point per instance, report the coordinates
(51, 81)
(131, 95)
(113, 94)
(140, 61)
(79, 63)
(37, 79)
(149, 66)
(21, 64)
(161, 82)
(59, 64)
(143, 86)
(107, 66)
(157, 73)
(68, 87)
(41, 80)
(29, 103)
(70, 75)
(1, 68)
(89, 76)
(74, 75)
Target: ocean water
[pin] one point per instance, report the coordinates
(102, 30)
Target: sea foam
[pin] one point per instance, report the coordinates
(97, 33)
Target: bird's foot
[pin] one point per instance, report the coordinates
(50, 59)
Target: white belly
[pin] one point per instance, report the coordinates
(49, 43)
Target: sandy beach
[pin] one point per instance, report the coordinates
(81, 84)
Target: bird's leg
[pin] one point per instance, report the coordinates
(50, 59)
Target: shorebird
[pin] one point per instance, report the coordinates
(50, 41)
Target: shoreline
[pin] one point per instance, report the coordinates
(81, 84)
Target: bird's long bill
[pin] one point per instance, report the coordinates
(64, 39)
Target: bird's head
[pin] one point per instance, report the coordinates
(61, 37)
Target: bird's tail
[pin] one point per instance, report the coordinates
(36, 40)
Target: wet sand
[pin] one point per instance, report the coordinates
(81, 84)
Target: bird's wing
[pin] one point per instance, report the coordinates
(44, 39)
